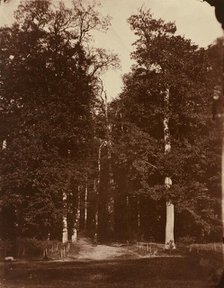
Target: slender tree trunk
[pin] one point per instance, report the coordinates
(111, 215)
(138, 217)
(169, 232)
(110, 205)
(4, 144)
(96, 212)
(74, 235)
(77, 217)
(86, 205)
(96, 188)
(127, 210)
(65, 220)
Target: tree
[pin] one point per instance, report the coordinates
(166, 97)
(49, 85)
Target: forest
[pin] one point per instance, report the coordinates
(145, 166)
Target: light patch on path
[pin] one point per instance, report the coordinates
(102, 252)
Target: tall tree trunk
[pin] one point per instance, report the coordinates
(127, 210)
(4, 144)
(96, 185)
(110, 205)
(74, 237)
(86, 205)
(65, 212)
(169, 232)
(96, 188)
(138, 217)
(65, 220)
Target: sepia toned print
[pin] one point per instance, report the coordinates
(111, 132)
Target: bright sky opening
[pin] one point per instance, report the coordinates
(194, 19)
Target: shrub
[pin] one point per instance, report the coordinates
(6, 248)
(30, 248)
(186, 240)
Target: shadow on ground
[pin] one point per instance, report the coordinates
(164, 272)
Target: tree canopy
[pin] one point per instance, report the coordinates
(49, 89)
(66, 151)
(166, 60)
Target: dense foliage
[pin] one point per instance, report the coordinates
(60, 137)
(49, 86)
(164, 61)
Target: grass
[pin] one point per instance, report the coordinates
(164, 272)
(120, 267)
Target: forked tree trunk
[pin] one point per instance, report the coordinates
(169, 232)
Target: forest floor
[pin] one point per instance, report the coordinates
(116, 266)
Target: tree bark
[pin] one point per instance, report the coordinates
(77, 217)
(169, 240)
(222, 180)
(65, 220)
(169, 232)
(110, 205)
(96, 188)
(4, 144)
(86, 205)
(139, 217)
(127, 219)
(74, 235)
(96, 212)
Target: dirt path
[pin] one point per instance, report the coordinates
(104, 252)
